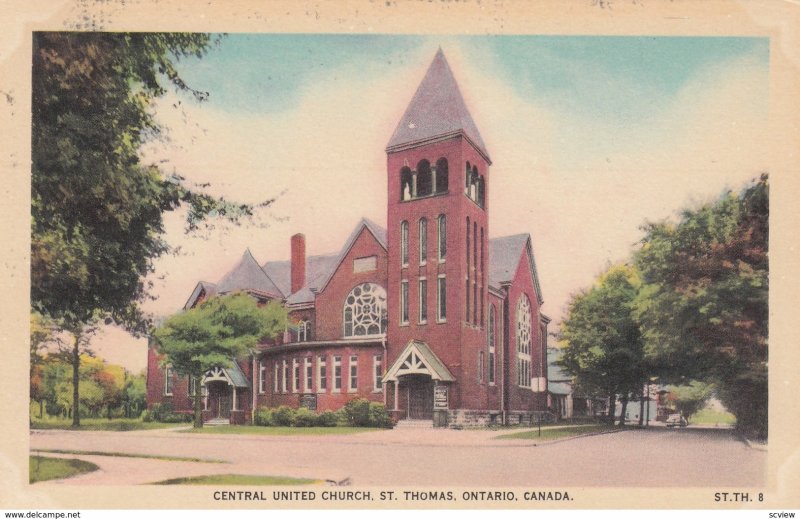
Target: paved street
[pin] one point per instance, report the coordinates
(656, 457)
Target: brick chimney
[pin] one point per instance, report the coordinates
(298, 262)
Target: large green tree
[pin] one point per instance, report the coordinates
(703, 306)
(96, 208)
(213, 334)
(603, 348)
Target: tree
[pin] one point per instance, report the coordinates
(602, 345)
(690, 398)
(703, 306)
(96, 209)
(214, 334)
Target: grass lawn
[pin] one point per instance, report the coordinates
(710, 416)
(129, 455)
(238, 479)
(280, 431)
(554, 433)
(103, 424)
(43, 469)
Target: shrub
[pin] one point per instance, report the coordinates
(304, 417)
(357, 412)
(283, 416)
(378, 417)
(165, 413)
(327, 419)
(264, 416)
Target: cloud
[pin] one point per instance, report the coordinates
(580, 184)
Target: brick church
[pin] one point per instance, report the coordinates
(430, 316)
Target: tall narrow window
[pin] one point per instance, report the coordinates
(441, 175)
(424, 178)
(303, 328)
(524, 341)
(406, 184)
(442, 232)
(481, 366)
(352, 387)
(262, 377)
(469, 273)
(377, 362)
(168, 380)
(404, 301)
(309, 374)
(423, 241)
(423, 301)
(285, 382)
(296, 377)
(491, 340)
(483, 278)
(337, 373)
(322, 375)
(441, 298)
(474, 273)
(404, 243)
(276, 378)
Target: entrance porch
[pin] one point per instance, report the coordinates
(225, 396)
(419, 383)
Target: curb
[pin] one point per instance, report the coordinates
(752, 445)
(587, 435)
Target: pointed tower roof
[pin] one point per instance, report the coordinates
(248, 275)
(436, 111)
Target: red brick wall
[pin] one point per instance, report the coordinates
(330, 301)
(520, 398)
(457, 341)
(327, 399)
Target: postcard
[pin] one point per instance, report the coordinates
(390, 255)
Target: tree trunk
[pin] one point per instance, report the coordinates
(41, 408)
(612, 405)
(198, 405)
(624, 411)
(641, 408)
(76, 364)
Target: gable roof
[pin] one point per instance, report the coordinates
(504, 256)
(317, 267)
(436, 111)
(376, 230)
(203, 286)
(248, 275)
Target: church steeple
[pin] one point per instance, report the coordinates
(437, 111)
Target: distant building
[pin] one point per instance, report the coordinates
(429, 316)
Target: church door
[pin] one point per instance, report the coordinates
(420, 397)
(219, 399)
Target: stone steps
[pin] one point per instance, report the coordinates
(217, 421)
(414, 424)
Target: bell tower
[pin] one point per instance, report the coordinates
(438, 171)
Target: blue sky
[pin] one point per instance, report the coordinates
(617, 77)
(590, 136)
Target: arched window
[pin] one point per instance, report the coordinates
(441, 175)
(406, 184)
(467, 178)
(524, 341)
(303, 329)
(424, 178)
(442, 232)
(404, 242)
(491, 339)
(481, 191)
(365, 311)
(423, 241)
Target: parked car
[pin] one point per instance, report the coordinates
(676, 420)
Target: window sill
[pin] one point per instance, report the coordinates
(441, 321)
(421, 323)
(377, 391)
(351, 391)
(405, 324)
